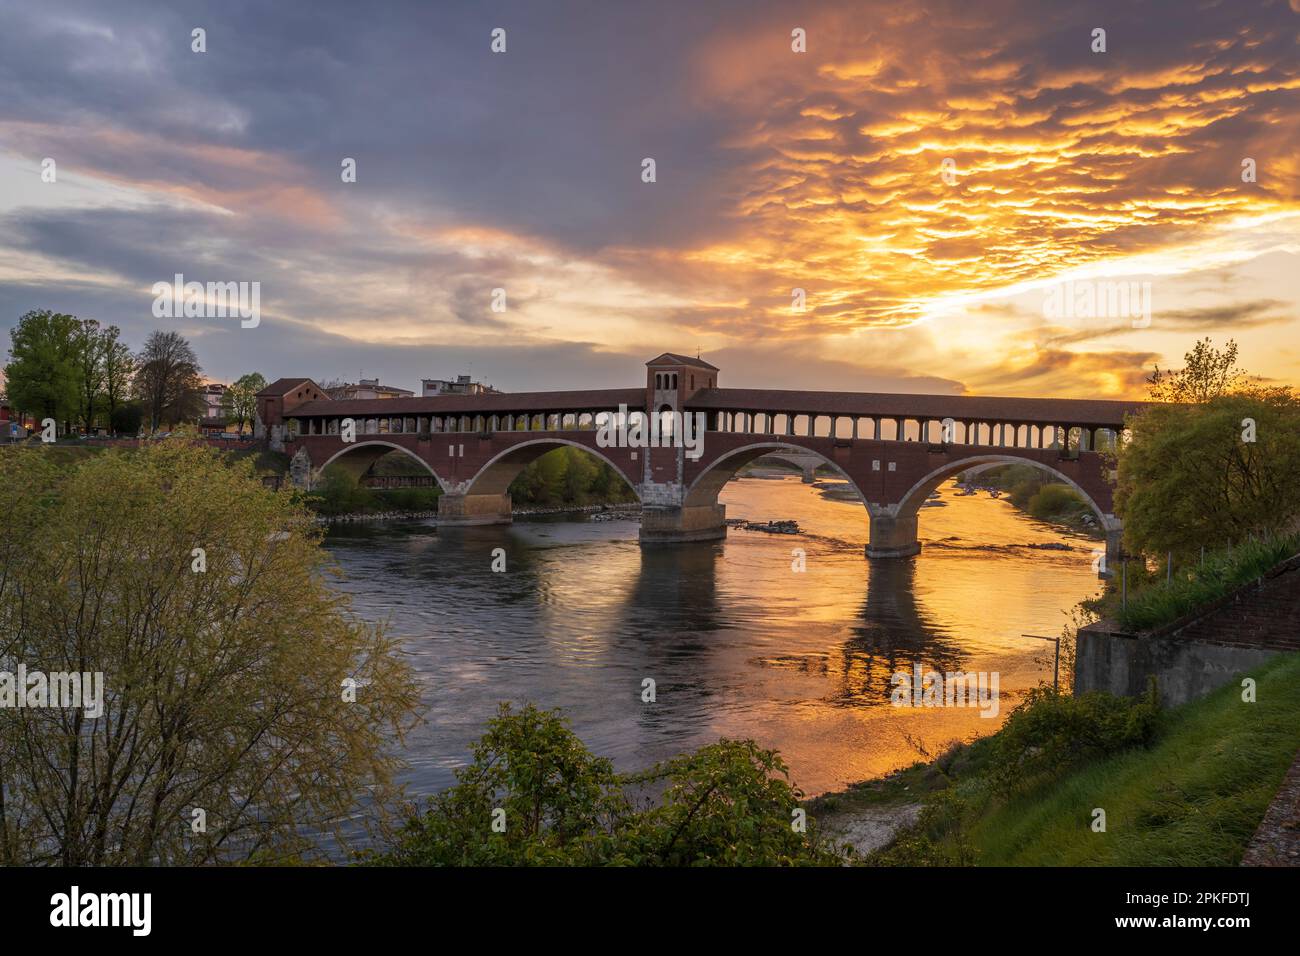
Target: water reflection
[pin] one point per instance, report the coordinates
(738, 643)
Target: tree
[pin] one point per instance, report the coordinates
(1210, 474)
(244, 709)
(88, 345)
(119, 367)
(534, 795)
(167, 380)
(126, 419)
(42, 372)
(1208, 374)
(239, 403)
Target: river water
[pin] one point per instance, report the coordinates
(737, 642)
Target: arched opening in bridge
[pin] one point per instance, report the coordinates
(703, 491)
(894, 527)
(376, 476)
(553, 472)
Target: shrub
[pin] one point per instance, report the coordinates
(1051, 731)
(1160, 603)
(557, 804)
(1055, 501)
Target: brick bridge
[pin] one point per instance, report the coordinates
(894, 448)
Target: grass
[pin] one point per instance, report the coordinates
(1194, 798)
(1161, 603)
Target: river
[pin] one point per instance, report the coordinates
(737, 642)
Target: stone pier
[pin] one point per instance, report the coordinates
(680, 525)
(892, 536)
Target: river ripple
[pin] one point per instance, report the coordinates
(738, 644)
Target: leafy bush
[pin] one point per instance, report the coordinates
(554, 803)
(1055, 501)
(1051, 731)
(568, 476)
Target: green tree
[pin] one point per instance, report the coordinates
(119, 368)
(167, 380)
(225, 687)
(1208, 373)
(579, 473)
(1210, 474)
(126, 419)
(239, 403)
(554, 803)
(42, 373)
(89, 345)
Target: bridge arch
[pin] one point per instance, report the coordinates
(894, 526)
(357, 458)
(921, 490)
(496, 475)
(703, 491)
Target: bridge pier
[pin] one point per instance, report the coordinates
(892, 536)
(682, 525)
(474, 509)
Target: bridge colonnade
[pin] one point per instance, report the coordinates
(893, 448)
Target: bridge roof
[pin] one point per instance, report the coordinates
(1035, 411)
(587, 400)
(672, 358)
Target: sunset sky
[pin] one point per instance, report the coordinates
(775, 170)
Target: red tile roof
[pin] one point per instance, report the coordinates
(282, 386)
(672, 358)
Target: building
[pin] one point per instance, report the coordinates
(213, 419)
(368, 388)
(10, 428)
(461, 386)
(276, 399)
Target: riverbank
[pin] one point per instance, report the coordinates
(1194, 796)
(598, 512)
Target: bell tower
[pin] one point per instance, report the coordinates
(672, 380)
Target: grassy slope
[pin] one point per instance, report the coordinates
(1194, 798)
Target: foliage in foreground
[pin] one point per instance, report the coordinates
(557, 804)
(222, 686)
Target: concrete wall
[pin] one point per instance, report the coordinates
(1184, 670)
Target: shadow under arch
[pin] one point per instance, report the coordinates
(495, 477)
(704, 489)
(357, 459)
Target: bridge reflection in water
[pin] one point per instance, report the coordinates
(737, 642)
